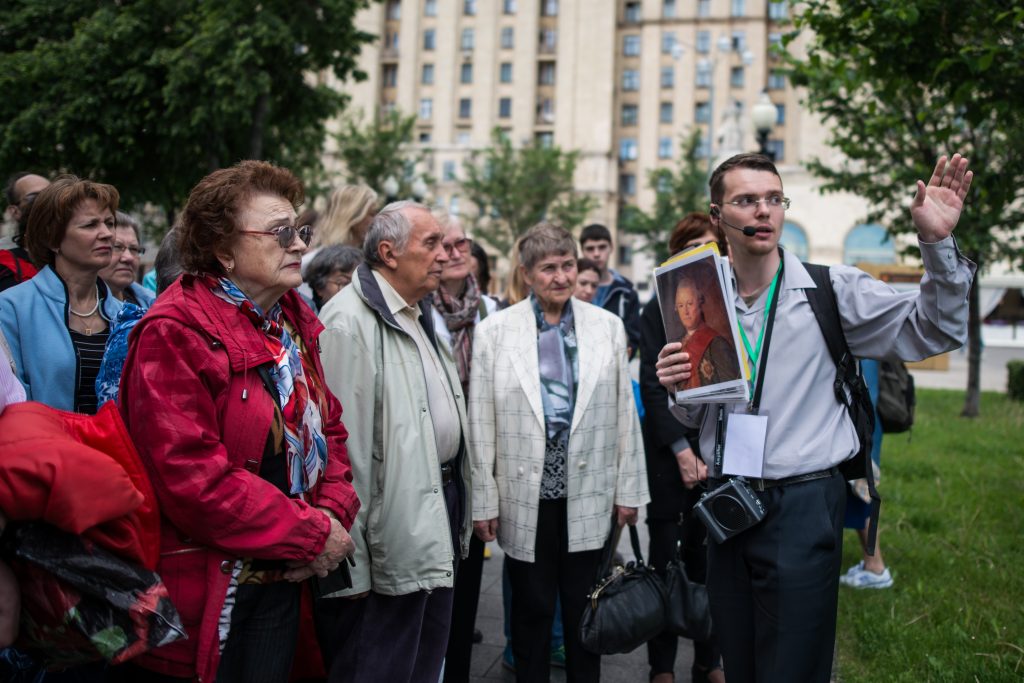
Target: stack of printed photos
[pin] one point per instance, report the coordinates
(696, 297)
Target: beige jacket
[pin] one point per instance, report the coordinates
(605, 462)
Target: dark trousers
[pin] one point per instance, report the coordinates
(554, 572)
(774, 588)
(391, 638)
(264, 629)
(664, 533)
(467, 597)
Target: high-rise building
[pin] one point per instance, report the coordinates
(621, 81)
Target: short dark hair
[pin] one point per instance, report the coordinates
(586, 264)
(340, 257)
(483, 266)
(209, 223)
(752, 160)
(595, 232)
(52, 211)
(692, 226)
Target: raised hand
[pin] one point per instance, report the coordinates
(936, 207)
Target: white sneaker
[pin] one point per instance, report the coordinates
(867, 579)
(859, 567)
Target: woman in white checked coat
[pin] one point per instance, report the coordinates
(557, 448)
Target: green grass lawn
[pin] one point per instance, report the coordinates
(952, 529)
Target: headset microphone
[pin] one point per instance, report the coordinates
(747, 230)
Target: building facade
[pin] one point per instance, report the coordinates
(621, 81)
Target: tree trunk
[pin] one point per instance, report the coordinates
(259, 120)
(972, 401)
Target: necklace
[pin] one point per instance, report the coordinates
(96, 307)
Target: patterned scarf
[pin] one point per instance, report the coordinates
(558, 361)
(300, 397)
(460, 317)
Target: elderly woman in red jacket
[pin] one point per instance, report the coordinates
(224, 395)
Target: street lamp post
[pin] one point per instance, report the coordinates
(763, 114)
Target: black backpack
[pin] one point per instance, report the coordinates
(896, 399)
(849, 387)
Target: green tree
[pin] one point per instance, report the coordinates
(899, 85)
(515, 188)
(677, 192)
(382, 148)
(151, 95)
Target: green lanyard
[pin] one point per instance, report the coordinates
(755, 353)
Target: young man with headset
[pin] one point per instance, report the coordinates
(774, 585)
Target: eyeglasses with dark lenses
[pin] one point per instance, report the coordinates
(285, 234)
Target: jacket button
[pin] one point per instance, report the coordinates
(583, 463)
(435, 490)
(521, 470)
(226, 566)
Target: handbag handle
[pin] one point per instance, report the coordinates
(605, 568)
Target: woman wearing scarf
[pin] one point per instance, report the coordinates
(224, 396)
(556, 447)
(458, 307)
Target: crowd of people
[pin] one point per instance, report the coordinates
(332, 416)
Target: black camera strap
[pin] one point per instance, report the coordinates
(755, 402)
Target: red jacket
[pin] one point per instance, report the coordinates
(199, 414)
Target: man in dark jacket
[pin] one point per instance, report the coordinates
(615, 293)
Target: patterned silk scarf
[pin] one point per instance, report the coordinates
(558, 362)
(300, 396)
(460, 315)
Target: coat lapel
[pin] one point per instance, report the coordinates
(592, 354)
(522, 328)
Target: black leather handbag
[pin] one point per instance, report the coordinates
(687, 608)
(626, 607)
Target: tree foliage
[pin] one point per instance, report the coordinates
(900, 84)
(677, 192)
(150, 95)
(379, 149)
(515, 188)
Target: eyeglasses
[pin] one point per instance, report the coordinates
(285, 234)
(463, 244)
(134, 251)
(772, 202)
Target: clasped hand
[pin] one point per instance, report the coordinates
(338, 547)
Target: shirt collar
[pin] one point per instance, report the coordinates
(394, 301)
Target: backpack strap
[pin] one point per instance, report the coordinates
(849, 387)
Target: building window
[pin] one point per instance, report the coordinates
(778, 149)
(505, 72)
(665, 147)
(465, 108)
(668, 9)
(507, 38)
(468, 39)
(448, 171)
(702, 112)
(736, 77)
(668, 42)
(631, 46)
(545, 140)
(630, 80)
(703, 79)
(629, 114)
(549, 8)
(424, 137)
(462, 138)
(426, 108)
(627, 184)
(429, 39)
(739, 41)
(391, 41)
(703, 42)
(388, 107)
(546, 110)
(546, 73)
(428, 75)
(704, 8)
(668, 77)
(430, 8)
(505, 107)
(778, 10)
(738, 8)
(868, 243)
(453, 206)
(627, 149)
(776, 80)
(780, 114)
(548, 40)
(469, 7)
(394, 10)
(625, 254)
(774, 43)
(632, 13)
(390, 75)
(665, 112)
(508, 6)
(794, 239)
(466, 72)
(704, 148)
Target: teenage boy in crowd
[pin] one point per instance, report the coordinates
(614, 292)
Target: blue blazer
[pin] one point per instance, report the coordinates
(33, 319)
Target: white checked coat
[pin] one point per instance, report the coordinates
(605, 463)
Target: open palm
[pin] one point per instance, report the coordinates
(937, 206)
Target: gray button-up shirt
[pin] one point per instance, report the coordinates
(808, 430)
